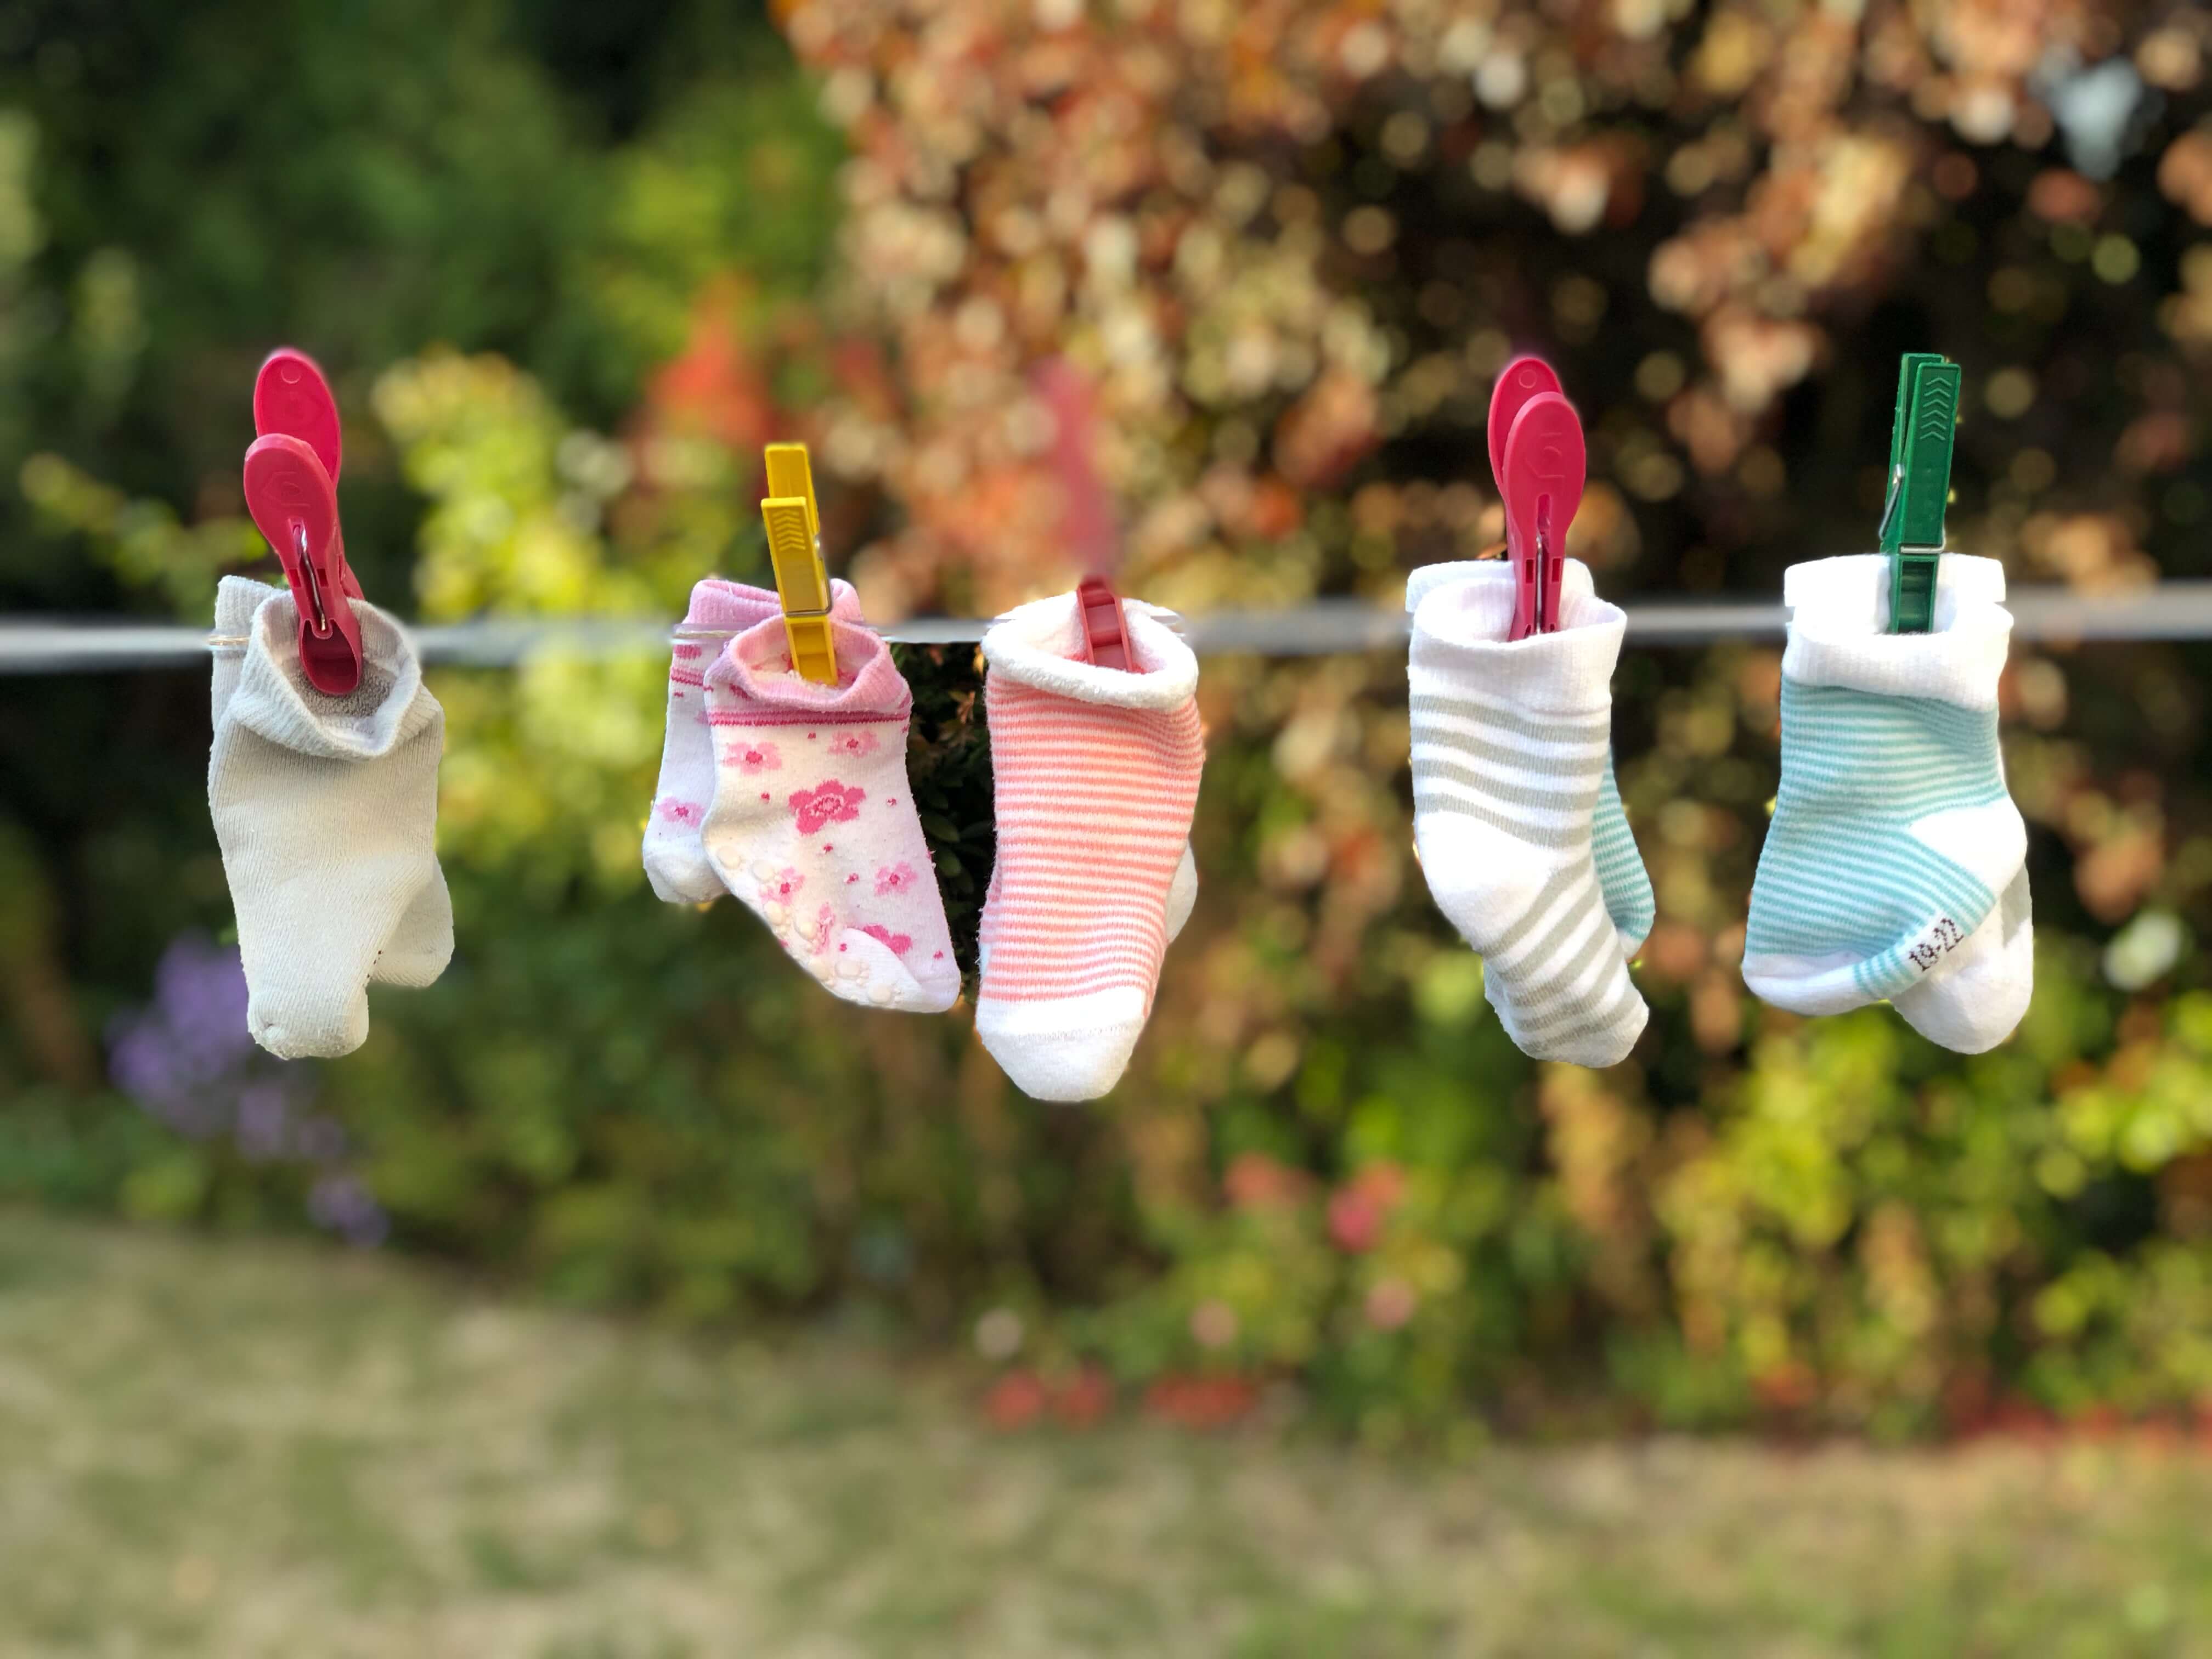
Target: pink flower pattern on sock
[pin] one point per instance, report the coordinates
(754, 758)
(678, 811)
(784, 887)
(836, 823)
(833, 803)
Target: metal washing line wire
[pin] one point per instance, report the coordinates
(46, 645)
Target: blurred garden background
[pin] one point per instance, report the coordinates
(570, 265)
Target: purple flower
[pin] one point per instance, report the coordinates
(346, 1206)
(192, 1041)
(265, 1113)
(189, 1061)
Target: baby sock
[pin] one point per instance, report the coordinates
(1510, 743)
(1620, 873)
(811, 823)
(1895, 864)
(1096, 774)
(325, 811)
(674, 862)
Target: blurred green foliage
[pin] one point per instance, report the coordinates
(571, 265)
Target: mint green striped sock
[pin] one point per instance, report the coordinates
(1620, 874)
(1893, 835)
(1846, 891)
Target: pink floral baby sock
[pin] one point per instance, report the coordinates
(675, 862)
(812, 824)
(1096, 774)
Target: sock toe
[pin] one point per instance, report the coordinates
(1071, 1049)
(1981, 1002)
(861, 969)
(309, 1027)
(680, 875)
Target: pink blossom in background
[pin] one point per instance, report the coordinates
(1390, 1304)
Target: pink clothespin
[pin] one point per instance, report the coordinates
(291, 491)
(1105, 638)
(1541, 463)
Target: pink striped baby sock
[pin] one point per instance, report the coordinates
(675, 863)
(812, 824)
(1095, 776)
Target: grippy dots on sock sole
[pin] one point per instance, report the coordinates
(325, 810)
(1510, 748)
(1894, 866)
(813, 826)
(675, 859)
(1095, 774)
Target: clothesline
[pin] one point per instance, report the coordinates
(45, 645)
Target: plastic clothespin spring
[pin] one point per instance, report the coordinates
(1922, 435)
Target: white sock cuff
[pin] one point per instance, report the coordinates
(1040, 644)
(1840, 616)
(1460, 628)
(390, 706)
(236, 599)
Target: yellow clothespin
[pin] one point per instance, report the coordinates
(794, 548)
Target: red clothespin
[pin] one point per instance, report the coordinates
(291, 491)
(1105, 640)
(1540, 462)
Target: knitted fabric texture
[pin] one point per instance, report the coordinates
(1620, 873)
(674, 862)
(1096, 778)
(813, 826)
(1895, 864)
(325, 810)
(1510, 747)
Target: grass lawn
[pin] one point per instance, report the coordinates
(246, 1449)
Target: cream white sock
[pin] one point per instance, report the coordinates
(325, 809)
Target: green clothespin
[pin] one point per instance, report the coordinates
(1920, 438)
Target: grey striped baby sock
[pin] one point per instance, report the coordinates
(1512, 751)
(1620, 874)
